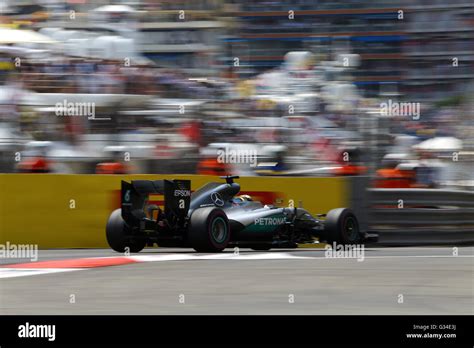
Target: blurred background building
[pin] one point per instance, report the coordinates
(407, 52)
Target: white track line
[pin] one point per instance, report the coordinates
(228, 256)
(418, 256)
(6, 272)
(24, 272)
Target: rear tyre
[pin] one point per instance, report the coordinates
(341, 227)
(209, 230)
(118, 235)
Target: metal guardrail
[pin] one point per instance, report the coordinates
(422, 216)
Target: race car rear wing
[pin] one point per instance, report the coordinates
(134, 195)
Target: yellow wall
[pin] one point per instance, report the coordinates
(35, 208)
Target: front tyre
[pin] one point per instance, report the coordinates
(209, 230)
(341, 227)
(118, 235)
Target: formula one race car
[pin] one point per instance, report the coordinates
(214, 218)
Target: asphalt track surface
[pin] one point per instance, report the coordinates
(281, 281)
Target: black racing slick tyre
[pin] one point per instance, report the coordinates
(118, 235)
(209, 230)
(341, 227)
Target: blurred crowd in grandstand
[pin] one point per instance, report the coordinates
(305, 87)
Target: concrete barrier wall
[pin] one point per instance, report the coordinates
(70, 211)
(426, 216)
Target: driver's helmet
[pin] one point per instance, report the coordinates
(246, 198)
(242, 199)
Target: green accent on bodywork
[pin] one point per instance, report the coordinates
(224, 236)
(266, 224)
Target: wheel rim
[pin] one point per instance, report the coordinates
(219, 230)
(350, 228)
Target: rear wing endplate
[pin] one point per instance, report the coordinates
(177, 198)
